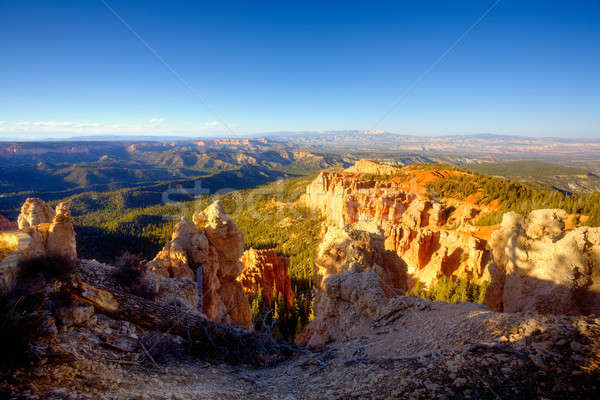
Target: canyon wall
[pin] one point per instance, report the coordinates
(532, 263)
(432, 237)
(267, 271)
(210, 247)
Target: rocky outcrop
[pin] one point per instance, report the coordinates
(346, 304)
(359, 247)
(35, 212)
(345, 198)
(42, 232)
(431, 253)
(14, 246)
(61, 235)
(538, 266)
(208, 251)
(432, 237)
(267, 271)
(51, 230)
(372, 167)
(355, 274)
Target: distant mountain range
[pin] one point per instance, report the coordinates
(299, 134)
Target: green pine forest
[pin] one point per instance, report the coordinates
(517, 196)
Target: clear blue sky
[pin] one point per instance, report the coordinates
(71, 67)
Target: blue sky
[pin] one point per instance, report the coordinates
(72, 68)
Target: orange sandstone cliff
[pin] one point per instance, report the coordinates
(432, 237)
(265, 270)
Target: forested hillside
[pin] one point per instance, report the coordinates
(543, 173)
(55, 171)
(509, 195)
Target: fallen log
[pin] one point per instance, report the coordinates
(209, 338)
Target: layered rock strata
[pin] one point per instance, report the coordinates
(266, 271)
(433, 238)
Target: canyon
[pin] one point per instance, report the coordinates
(387, 234)
(433, 237)
(180, 325)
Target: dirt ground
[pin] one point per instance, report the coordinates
(414, 349)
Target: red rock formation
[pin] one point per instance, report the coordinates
(265, 269)
(415, 227)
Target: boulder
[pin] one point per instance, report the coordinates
(538, 266)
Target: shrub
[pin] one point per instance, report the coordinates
(27, 314)
(48, 267)
(130, 274)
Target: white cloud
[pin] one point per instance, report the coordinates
(70, 128)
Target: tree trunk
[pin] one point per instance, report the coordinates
(209, 338)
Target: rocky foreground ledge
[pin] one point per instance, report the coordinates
(412, 348)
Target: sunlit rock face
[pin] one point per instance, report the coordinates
(266, 271)
(354, 275)
(51, 230)
(433, 238)
(211, 247)
(359, 246)
(539, 266)
(347, 303)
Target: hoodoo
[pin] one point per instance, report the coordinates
(210, 247)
